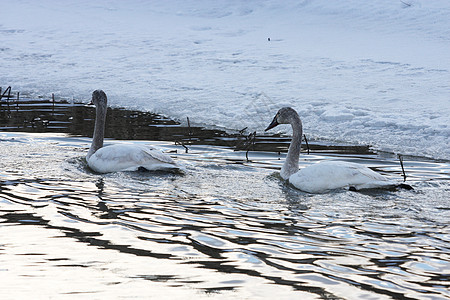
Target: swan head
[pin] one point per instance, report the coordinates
(285, 115)
(99, 98)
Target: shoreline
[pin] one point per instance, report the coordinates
(77, 119)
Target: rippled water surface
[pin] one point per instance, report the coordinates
(224, 228)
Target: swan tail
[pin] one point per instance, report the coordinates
(405, 186)
(381, 185)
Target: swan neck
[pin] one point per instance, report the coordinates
(290, 166)
(99, 130)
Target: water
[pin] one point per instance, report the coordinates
(226, 227)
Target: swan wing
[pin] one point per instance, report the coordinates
(325, 176)
(124, 157)
(153, 153)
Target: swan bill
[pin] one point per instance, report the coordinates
(273, 124)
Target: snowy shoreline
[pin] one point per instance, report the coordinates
(376, 73)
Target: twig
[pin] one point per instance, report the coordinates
(7, 98)
(407, 4)
(8, 89)
(306, 142)
(252, 137)
(190, 133)
(182, 144)
(17, 101)
(53, 100)
(241, 132)
(403, 169)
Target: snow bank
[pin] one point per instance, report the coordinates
(374, 72)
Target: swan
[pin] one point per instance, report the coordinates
(120, 157)
(324, 176)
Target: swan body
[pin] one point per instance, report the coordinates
(324, 176)
(120, 157)
(129, 157)
(331, 175)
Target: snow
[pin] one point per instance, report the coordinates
(372, 72)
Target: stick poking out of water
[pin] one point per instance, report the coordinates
(17, 101)
(250, 142)
(182, 144)
(403, 169)
(190, 133)
(53, 105)
(306, 142)
(8, 90)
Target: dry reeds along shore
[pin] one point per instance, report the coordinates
(50, 114)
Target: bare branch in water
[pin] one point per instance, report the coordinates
(182, 144)
(53, 101)
(403, 169)
(17, 101)
(190, 133)
(250, 143)
(306, 142)
(8, 89)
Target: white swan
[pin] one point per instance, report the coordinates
(120, 157)
(324, 176)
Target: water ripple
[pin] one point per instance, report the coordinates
(220, 229)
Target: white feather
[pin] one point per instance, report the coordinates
(120, 157)
(128, 157)
(330, 175)
(325, 176)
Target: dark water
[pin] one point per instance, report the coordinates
(227, 227)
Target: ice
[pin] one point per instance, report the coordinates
(374, 72)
